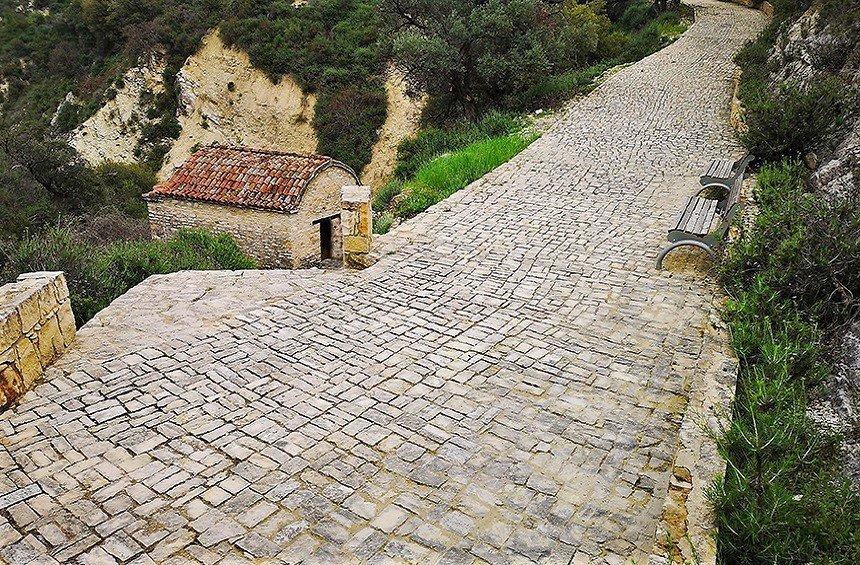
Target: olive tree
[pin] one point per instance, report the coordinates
(472, 54)
(468, 52)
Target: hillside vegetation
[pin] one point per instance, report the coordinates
(794, 282)
(61, 60)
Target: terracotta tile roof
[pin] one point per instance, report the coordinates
(252, 178)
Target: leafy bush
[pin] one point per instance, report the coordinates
(637, 15)
(792, 120)
(554, 90)
(805, 247)
(347, 122)
(97, 274)
(42, 179)
(382, 222)
(783, 498)
(122, 186)
(383, 197)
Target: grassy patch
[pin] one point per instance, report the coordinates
(445, 175)
(793, 279)
(433, 141)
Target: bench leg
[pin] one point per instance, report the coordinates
(682, 243)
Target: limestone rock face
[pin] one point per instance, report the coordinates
(403, 120)
(113, 132)
(224, 99)
(807, 50)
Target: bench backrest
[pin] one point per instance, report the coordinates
(732, 203)
(741, 166)
(734, 195)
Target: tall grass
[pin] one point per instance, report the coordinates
(446, 175)
(439, 161)
(441, 177)
(433, 141)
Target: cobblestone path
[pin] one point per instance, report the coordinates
(505, 384)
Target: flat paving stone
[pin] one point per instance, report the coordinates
(504, 385)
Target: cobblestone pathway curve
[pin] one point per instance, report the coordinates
(504, 384)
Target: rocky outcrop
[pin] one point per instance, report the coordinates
(224, 99)
(113, 132)
(837, 405)
(404, 115)
(809, 49)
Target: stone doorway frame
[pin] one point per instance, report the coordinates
(327, 234)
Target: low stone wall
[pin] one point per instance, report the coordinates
(36, 326)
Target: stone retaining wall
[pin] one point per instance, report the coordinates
(36, 326)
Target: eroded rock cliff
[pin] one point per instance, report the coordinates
(224, 99)
(113, 132)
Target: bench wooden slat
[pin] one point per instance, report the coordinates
(697, 216)
(705, 217)
(685, 214)
(720, 169)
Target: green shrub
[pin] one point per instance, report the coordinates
(122, 187)
(383, 197)
(98, 274)
(637, 15)
(348, 121)
(805, 247)
(784, 498)
(792, 120)
(554, 90)
(382, 223)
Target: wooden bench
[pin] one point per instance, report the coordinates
(704, 222)
(725, 171)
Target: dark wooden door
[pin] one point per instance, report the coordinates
(325, 239)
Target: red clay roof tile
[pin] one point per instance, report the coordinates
(239, 176)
